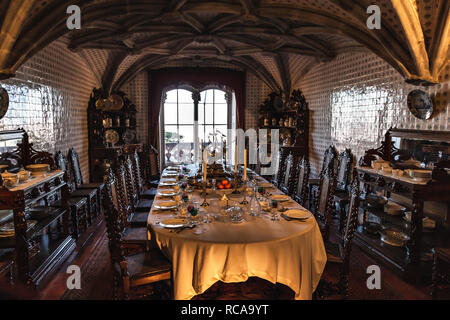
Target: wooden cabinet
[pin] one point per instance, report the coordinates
(42, 238)
(112, 127)
(415, 258)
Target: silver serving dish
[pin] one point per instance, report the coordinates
(394, 238)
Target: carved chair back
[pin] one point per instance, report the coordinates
(135, 162)
(63, 164)
(153, 162)
(285, 184)
(329, 157)
(324, 202)
(301, 184)
(111, 204)
(125, 202)
(280, 157)
(131, 182)
(75, 166)
(349, 231)
(345, 163)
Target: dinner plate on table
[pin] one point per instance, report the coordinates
(166, 205)
(167, 192)
(265, 185)
(170, 174)
(297, 214)
(174, 223)
(167, 184)
(280, 197)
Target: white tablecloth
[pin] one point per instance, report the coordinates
(288, 252)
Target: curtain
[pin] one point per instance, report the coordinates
(198, 78)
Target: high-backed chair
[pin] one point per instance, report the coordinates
(79, 205)
(301, 183)
(441, 269)
(324, 201)
(131, 233)
(138, 204)
(144, 193)
(74, 163)
(280, 157)
(151, 166)
(340, 252)
(135, 271)
(343, 176)
(329, 158)
(286, 184)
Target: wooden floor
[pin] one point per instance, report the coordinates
(93, 259)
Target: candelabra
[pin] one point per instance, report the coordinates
(244, 202)
(205, 203)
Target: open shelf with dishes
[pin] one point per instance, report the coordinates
(38, 233)
(402, 217)
(111, 127)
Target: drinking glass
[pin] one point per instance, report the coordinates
(274, 211)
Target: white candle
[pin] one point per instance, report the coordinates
(245, 165)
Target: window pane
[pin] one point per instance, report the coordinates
(184, 96)
(170, 134)
(170, 113)
(220, 113)
(209, 108)
(186, 113)
(186, 133)
(208, 130)
(219, 96)
(208, 96)
(201, 114)
(171, 96)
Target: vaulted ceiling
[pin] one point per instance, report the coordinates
(279, 41)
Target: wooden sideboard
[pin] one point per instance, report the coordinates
(42, 247)
(414, 260)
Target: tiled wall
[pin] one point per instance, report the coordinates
(49, 98)
(357, 97)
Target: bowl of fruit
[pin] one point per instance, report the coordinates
(224, 185)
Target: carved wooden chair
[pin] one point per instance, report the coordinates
(78, 205)
(301, 184)
(83, 188)
(144, 193)
(280, 157)
(286, 184)
(135, 271)
(340, 252)
(343, 176)
(151, 167)
(329, 158)
(138, 204)
(324, 201)
(441, 269)
(131, 233)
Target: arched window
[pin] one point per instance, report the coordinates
(184, 126)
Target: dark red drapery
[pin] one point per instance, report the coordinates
(198, 78)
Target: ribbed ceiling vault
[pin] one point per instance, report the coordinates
(278, 41)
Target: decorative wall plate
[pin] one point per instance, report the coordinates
(112, 136)
(420, 104)
(4, 102)
(129, 136)
(116, 102)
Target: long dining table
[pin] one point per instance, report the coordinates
(290, 252)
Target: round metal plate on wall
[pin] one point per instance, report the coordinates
(4, 102)
(116, 102)
(420, 104)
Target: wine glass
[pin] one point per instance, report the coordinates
(274, 211)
